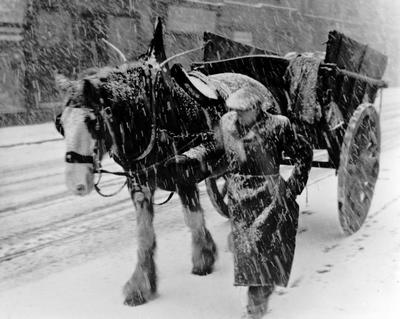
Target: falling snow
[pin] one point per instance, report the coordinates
(67, 256)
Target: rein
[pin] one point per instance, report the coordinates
(98, 190)
(127, 175)
(145, 170)
(100, 171)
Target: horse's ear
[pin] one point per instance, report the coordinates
(90, 91)
(63, 84)
(156, 48)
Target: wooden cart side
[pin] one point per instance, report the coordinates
(348, 90)
(220, 48)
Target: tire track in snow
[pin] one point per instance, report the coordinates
(51, 248)
(48, 200)
(21, 169)
(33, 239)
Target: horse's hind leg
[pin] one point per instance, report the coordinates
(204, 251)
(143, 283)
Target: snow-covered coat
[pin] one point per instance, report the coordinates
(262, 207)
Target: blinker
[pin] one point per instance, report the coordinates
(58, 124)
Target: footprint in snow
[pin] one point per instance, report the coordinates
(302, 230)
(281, 292)
(326, 269)
(327, 249)
(323, 271)
(296, 282)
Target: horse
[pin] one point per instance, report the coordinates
(139, 113)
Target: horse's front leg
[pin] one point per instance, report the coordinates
(204, 250)
(142, 286)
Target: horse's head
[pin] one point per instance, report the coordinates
(110, 108)
(79, 124)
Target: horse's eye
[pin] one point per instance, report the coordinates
(58, 124)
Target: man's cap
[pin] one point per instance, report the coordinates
(244, 99)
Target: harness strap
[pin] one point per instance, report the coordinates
(152, 142)
(73, 158)
(167, 200)
(98, 190)
(114, 173)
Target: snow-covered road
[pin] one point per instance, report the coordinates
(63, 256)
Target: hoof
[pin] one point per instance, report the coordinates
(138, 291)
(202, 271)
(135, 299)
(207, 263)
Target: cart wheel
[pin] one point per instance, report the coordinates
(217, 189)
(359, 167)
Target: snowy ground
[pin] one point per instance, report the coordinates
(333, 276)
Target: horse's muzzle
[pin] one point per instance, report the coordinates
(79, 178)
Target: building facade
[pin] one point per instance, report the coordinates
(40, 37)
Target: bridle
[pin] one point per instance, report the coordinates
(104, 118)
(74, 157)
(95, 159)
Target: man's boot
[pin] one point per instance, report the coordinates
(258, 297)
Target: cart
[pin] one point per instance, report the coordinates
(348, 81)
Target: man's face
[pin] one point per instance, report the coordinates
(247, 118)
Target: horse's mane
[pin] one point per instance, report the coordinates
(125, 86)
